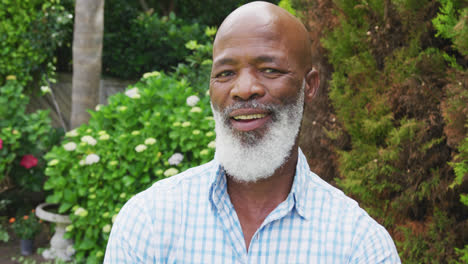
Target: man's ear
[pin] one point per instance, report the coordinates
(312, 80)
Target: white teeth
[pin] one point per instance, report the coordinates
(246, 117)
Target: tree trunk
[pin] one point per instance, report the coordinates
(87, 51)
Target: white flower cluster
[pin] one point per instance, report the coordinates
(212, 144)
(196, 109)
(71, 133)
(140, 148)
(176, 159)
(91, 159)
(107, 228)
(192, 100)
(133, 93)
(81, 212)
(171, 172)
(70, 146)
(150, 141)
(89, 140)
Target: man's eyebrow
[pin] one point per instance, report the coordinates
(224, 61)
(265, 58)
(231, 61)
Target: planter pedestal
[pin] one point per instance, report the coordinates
(60, 248)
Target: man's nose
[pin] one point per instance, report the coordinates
(247, 87)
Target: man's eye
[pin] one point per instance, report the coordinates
(269, 70)
(224, 74)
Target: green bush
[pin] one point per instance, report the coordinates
(150, 43)
(136, 42)
(435, 245)
(452, 23)
(25, 137)
(197, 66)
(460, 167)
(26, 226)
(286, 4)
(400, 100)
(126, 147)
(206, 12)
(30, 31)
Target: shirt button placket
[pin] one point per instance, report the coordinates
(251, 259)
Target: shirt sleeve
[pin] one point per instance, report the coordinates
(375, 246)
(130, 238)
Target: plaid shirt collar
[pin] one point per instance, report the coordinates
(296, 200)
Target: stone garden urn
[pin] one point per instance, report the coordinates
(60, 248)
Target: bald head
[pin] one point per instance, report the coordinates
(270, 21)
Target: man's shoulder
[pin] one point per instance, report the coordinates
(316, 186)
(177, 186)
(316, 192)
(170, 193)
(329, 205)
(329, 199)
(196, 175)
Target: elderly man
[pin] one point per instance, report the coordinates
(257, 201)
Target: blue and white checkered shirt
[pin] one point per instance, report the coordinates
(189, 218)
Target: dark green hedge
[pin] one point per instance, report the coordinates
(398, 90)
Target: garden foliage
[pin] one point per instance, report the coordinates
(24, 138)
(206, 12)
(30, 32)
(150, 42)
(398, 90)
(27, 226)
(160, 126)
(138, 41)
(197, 66)
(126, 147)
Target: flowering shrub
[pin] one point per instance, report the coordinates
(157, 128)
(24, 138)
(26, 227)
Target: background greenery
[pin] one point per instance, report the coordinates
(30, 32)
(398, 92)
(389, 126)
(133, 152)
(139, 40)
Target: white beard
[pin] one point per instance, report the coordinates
(248, 156)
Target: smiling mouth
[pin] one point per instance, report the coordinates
(249, 121)
(248, 117)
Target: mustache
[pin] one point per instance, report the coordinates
(250, 104)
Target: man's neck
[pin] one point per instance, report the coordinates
(254, 201)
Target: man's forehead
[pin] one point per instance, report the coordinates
(248, 26)
(262, 24)
(248, 37)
